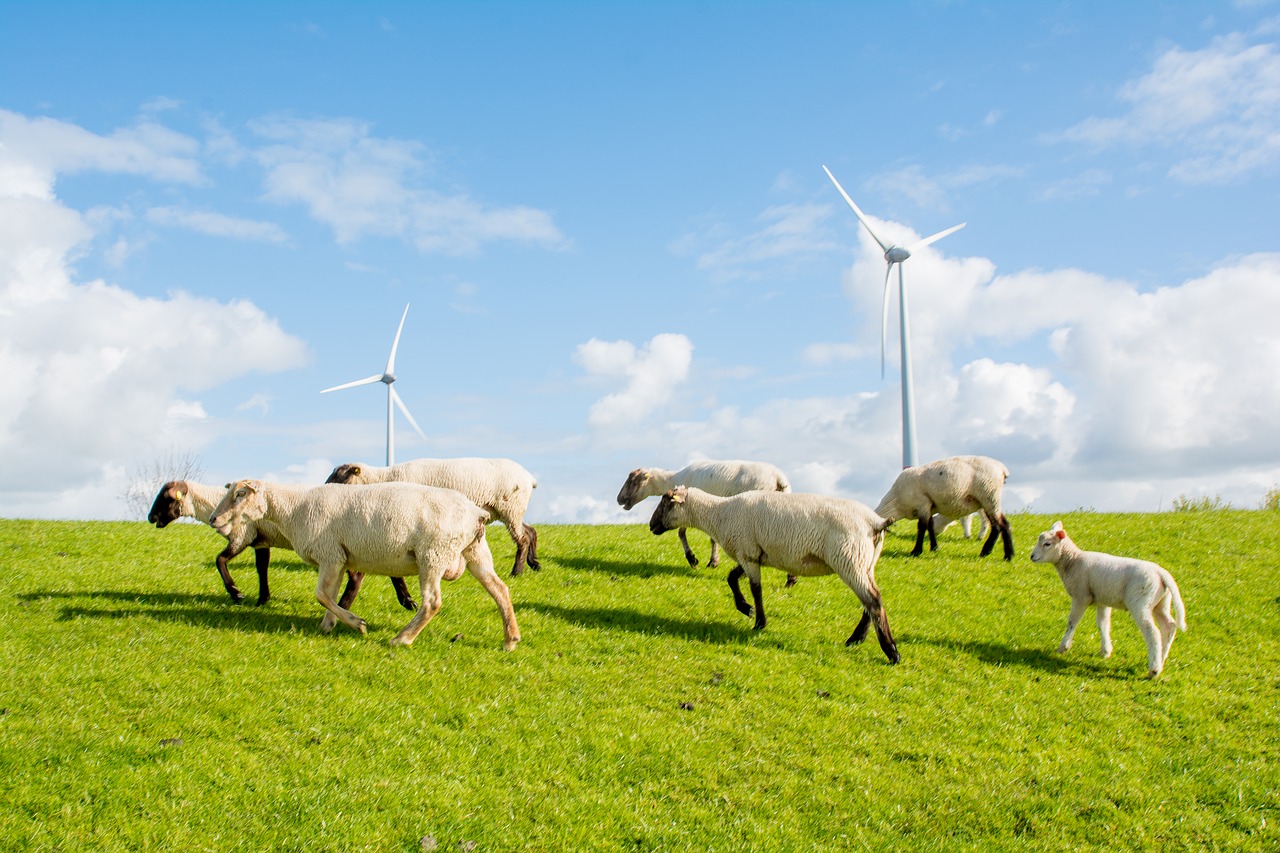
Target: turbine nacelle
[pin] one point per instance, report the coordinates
(897, 255)
(388, 378)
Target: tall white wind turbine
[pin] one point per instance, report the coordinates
(896, 255)
(388, 376)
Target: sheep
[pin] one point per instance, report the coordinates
(723, 478)
(954, 486)
(1143, 588)
(185, 499)
(940, 522)
(799, 533)
(501, 486)
(395, 529)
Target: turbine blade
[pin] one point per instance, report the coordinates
(391, 362)
(884, 317)
(367, 381)
(404, 410)
(936, 237)
(856, 210)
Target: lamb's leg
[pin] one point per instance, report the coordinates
(532, 536)
(715, 555)
(1104, 630)
(688, 552)
(1166, 623)
(1150, 635)
(735, 574)
(221, 562)
(1073, 619)
(921, 526)
(326, 586)
(262, 559)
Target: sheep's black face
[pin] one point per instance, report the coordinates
(344, 473)
(658, 521)
(167, 506)
(627, 496)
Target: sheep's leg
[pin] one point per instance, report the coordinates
(502, 597)
(355, 580)
(873, 613)
(688, 552)
(519, 537)
(988, 545)
(326, 586)
(860, 632)
(921, 526)
(402, 594)
(757, 595)
(1006, 535)
(429, 581)
(262, 559)
(221, 562)
(1104, 630)
(1151, 636)
(1078, 607)
(735, 575)
(791, 581)
(532, 535)
(715, 555)
(933, 535)
(1165, 622)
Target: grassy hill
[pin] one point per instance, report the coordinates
(141, 709)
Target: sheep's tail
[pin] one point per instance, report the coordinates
(878, 529)
(1179, 611)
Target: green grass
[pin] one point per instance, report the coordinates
(140, 709)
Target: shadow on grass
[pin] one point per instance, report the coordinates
(1074, 662)
(625, 619)
(632, 569)
(212, 611)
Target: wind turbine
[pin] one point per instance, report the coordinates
(894, 254)
(388, 376)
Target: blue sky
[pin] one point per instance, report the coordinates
(620, 249)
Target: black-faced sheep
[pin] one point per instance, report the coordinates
(723, 478)
(395, 529)
(501, 486)
(799, 533)
(954, 487)
(186, 499)
(1143, 588)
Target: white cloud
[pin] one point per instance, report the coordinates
(92, 375)
(217, 224)
(651, 374)
(788, 231)
(361, 185)
(1218, 108)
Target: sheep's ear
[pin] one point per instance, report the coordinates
(355, 471)
(227, 486)
(644, 475)
(178, 495)
(1057, 525)
(676, 495)
(1060, 533)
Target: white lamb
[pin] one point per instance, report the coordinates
(954, 487)
(1143, 588)
(185, 499)
(798, 533)
(395, 529)
(723, 478)
(501, 486)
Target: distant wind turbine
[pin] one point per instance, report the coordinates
(896, 255)
(388, 376)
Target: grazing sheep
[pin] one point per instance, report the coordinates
(395, 529)
(185, 499)
(954, 487)
(501, 486)
(1143, 588)
(723, 478)
(798, 533)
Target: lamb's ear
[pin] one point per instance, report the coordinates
(1057, 525)
(1060, 533)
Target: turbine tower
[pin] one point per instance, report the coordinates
(894, 254)
(388, 376)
